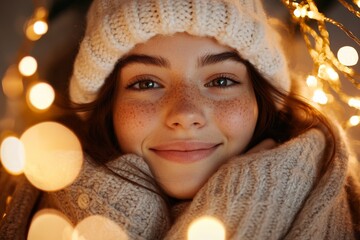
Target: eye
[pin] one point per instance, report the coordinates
(221, 82)
(144, 84)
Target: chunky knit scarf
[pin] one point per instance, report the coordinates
(282, 193)
(274, 194)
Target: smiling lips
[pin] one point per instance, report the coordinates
(185, 152)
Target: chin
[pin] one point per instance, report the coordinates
(181, 191)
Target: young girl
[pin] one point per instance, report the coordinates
(187, 110)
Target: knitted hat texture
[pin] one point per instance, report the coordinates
(114, 27)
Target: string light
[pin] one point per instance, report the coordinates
(13, 155)
(53, 156)
(320, 97)
(354, 120)
(206, 227)
(27, 66)
(311, 81)
(41, 96)
(348, 56)
(12, 83)
(354, 102)
(327, 66)
(40, 27)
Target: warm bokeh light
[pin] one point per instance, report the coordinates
(12, 155)
(53, 156)
(348, 56)
(27, 66)
(98, 227)
(12, 84)
(354, 102)
(41, 13)
(40, 27)
(50, 224)
(311, 81)
(354, 120)
(205, 228)
(297, 13)
(320, 97)
(41, 96)
(327, 73)
(358, 3)
(31, 34)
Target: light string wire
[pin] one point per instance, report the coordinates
(312, 24)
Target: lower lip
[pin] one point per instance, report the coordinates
(185, 156)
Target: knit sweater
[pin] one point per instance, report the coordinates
(282, 193)
(272, 194)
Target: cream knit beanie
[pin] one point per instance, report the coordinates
(115, 26)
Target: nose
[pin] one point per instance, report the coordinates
(185, 112)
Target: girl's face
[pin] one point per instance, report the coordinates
(186, 105)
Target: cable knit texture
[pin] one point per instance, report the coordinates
(273, 194)
(141, 213)
(114, 27)
(277, 194)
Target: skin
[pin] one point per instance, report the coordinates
(185, 116)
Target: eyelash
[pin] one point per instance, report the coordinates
(227, 78)
(140, 80)
(145, 79)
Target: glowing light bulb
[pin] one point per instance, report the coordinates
(98, 227)
(353, 102)
(53, 157)
(13, 155)
(354, 120)
(311, 81)
(30, 33)
(50, 224)
(348, 56)
(41, 96)
(206, 228)
(297, 13)
(41, 12)
(320, 97)
(12, 83)
(328, 73)
(40, 27)
(27, 66)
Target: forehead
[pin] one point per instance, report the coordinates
(179, 44)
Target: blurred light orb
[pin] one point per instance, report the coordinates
(30, 33)
(13, 155)
(320, 97)
(41, 96)
(12, 83)
(311, 81)
(354, 120)
(40, 27)
(328, 73)
(50, 224)
(348, 56)
(354, 102)
(53, 156)
(27, 66)
(206, 228)
(98, 227)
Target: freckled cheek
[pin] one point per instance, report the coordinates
(132, 123)
(237, 116)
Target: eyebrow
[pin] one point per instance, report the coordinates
(205, 60)
(144, 59)
(210, 59)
